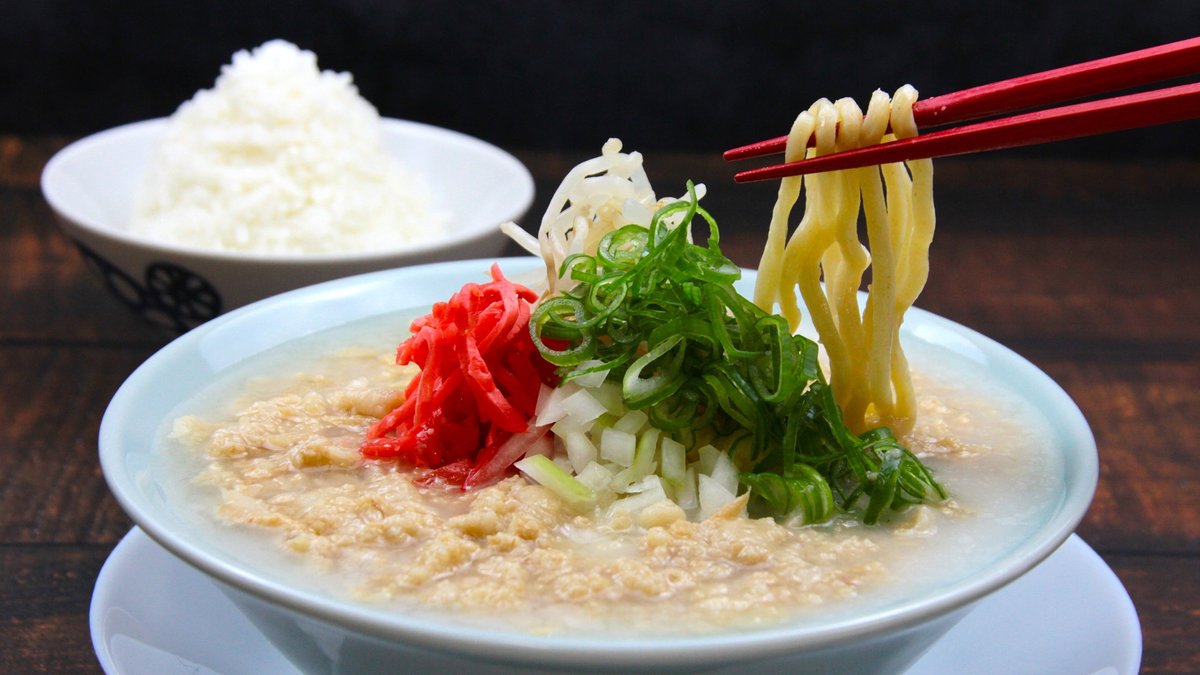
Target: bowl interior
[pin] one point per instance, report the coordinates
(92, 183)
(129, 448)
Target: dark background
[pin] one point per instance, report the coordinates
(556, 75)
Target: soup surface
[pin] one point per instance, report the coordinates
(270, 454)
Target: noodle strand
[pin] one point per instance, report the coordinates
(825, 259)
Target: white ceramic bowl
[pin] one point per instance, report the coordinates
(322, 633)
(91, 183)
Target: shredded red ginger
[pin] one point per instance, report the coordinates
(467, 414)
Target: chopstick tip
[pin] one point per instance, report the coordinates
(750, 176)
(759, 149)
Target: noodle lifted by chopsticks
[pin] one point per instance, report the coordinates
(868, 370)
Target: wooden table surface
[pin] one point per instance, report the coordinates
(1090, 270)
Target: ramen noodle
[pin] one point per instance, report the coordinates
(868, 369)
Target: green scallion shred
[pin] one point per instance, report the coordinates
(659, 314)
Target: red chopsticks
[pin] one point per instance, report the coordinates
(1145, 66)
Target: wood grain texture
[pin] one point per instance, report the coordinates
(51, 488)
(44, 595)
(49, 295)
(1164, 590)
(1086, 269)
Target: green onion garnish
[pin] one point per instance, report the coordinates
(659, 314)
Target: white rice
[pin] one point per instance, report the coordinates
(279, 157)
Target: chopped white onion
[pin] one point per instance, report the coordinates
(712, 496)
(632, 422)
(591, 380)
(674, 462)
(618, 447)
(652, 493)
(686, 495)
(580, 450)
(725, 473)
(708, 459)
(548, 409)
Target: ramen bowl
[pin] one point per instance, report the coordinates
(325, 632)
(91, 184)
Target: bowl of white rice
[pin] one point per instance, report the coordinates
(278, 177)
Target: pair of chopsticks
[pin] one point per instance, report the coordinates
(1101, 76)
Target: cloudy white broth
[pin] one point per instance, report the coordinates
(266, 463)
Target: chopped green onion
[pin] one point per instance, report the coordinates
(542, 470)
(657, 314)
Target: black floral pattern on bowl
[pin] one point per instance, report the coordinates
(169, 296)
